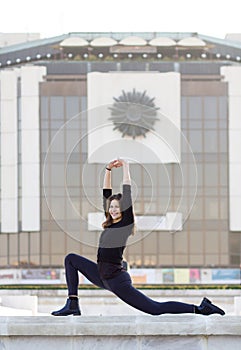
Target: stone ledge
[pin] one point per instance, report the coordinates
(164, 325)
(175, 332)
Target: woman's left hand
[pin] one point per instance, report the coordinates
(122, 162)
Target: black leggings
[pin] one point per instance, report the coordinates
(120, 286)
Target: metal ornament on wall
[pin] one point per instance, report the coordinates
(134, 113)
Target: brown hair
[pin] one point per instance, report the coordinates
(109, 219)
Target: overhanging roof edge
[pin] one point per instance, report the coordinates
(146, 35)
(219, 41)
(32, 44)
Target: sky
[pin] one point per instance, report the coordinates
(56, 17)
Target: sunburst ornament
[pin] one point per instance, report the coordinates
(133, 113)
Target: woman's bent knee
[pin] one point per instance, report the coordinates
(70, 258)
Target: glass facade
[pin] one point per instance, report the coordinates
(204, 121)
(205, 239)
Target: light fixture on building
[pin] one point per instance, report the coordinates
(9, 62)
(100, 55)
(85, 55)
(28, 58)
(204, 55)
(18, 60)
(188, 55)
(159, 55)
(238, 58)
(115, 55)
(228, 57)
(144, 55)
(48, 55)
(218, 55)
(0, 64)
(129, 55)
(70, 55)
(38, 56)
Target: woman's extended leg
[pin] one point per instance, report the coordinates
(123, 288)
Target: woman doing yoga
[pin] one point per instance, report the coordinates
(108, 272)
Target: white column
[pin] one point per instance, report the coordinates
(9, 151)
(30, 146)
(233, 76)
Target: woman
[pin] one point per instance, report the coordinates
(109, 273)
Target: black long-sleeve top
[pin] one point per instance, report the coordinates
(113, 239)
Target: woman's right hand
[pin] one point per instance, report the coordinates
(114, 164)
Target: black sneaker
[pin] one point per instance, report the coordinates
(207, 308)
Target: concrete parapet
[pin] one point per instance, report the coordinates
(21, 302)
(165, 332)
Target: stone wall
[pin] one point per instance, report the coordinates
(166, 332)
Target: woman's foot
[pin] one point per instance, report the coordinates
(71, 308)
(207, 308)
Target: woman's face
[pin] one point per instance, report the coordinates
(115, 211)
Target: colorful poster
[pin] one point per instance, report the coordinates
(181, 276)
(9, 276)
(138, 276)
(194, 276)
(40, 274)
(226, 275)
(168, 275)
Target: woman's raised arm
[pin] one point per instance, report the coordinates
(107, 176)
(126, 172)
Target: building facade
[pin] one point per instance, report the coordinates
(53, 95)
